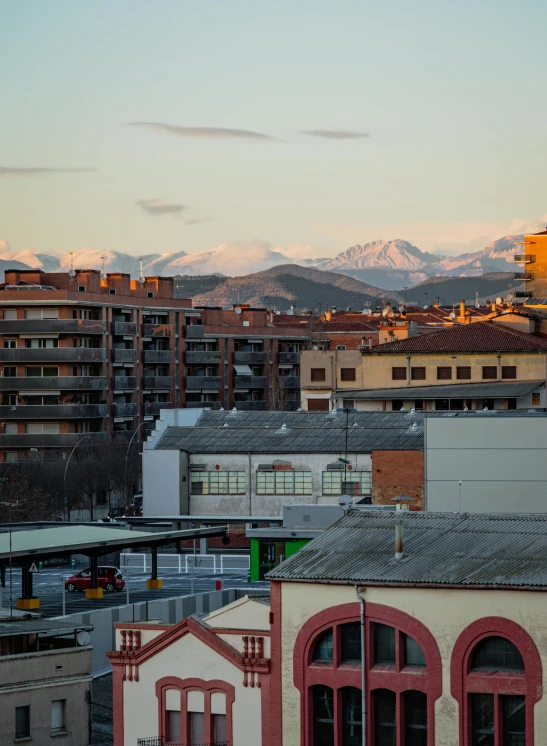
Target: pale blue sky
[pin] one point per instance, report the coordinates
(452, 95)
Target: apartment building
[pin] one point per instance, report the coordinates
(82, 355)
(532, 259)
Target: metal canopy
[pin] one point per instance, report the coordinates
(90, 540)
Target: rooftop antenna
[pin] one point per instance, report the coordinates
(141, 278)
(71, 272)
(477, 304)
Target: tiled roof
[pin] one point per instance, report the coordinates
(481, 336)
(474, 550)
(496, 390)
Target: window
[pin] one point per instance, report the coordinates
(193, 711)
(112, 291)
(398, 374)
(397, 405)
(32, 371)
(340, 347)
(351, 717)
(444, 373)
(218, 482)
(318, 374)
(39, 428)
(283, 482)
(197, 728)
(351, 642)
(322, 651)
(352, 482)
(463, 372)
(323, 716)
(22, 722)
(10, 314)
(320, 405)
(81, 288)
(219, 728)
(384, 718)
(415, 709)
(10, 371)
(508, 371)
(347, 374)
(58, 715)
(42, 313)
(513, 711)
(41, 343)
(536, 398)
(482, 719)
(498, 654)
(150, 294)
(489, 372)
(414, 655)
(173, 725)
(10, 428)
(417, 374)
(10, 344)
(384, 644)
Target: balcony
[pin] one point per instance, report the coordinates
(523, 276)
(52, 326)
(48, 440)
(124, 382)
(157, 356)
(53, 355)
(289, 382)
(202, 357)
(126, 409)
(53, 411)
(52, 383)
(289, 357)
(125, 328)
(524, 258)
(194, 383)
(250, 406)
(523, 294)
(155, 407)
(251, 382)
(161, 741)
(158, 382)
(194, 330)
(202, 405)
(157, 330)
(249, 357)
(122, 355)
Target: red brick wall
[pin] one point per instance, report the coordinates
(395, 473)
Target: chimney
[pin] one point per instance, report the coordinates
(271, 316)
(328, 314)
(462, 308)
(493, 306)
(370, 343)
(398, 538)
(436, 304)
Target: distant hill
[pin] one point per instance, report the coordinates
(453, 289)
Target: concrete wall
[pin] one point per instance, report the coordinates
(446, 613)
(165, 480)
(502, 464)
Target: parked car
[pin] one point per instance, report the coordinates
(115, 514)
(110, 579)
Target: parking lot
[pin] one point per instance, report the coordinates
(48, 585)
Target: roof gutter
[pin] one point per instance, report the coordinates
(444, 586)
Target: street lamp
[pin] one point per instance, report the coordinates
(9, 504)
(126, 457)
(65, 495)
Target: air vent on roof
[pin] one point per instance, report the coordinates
(283, 430)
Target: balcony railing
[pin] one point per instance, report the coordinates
(202, 405)
(251, 382)
(161, 741)
(524, 258)
(52, 383)
(289, 357)
(194, 383)
(157, 356)
(124, 382)
(125, 328)
(121, 355)
(46, 440)
(523, 294)
(155, 407)
(249, 357)
(194, 330)
(158, 382)
(52, 411)
(52, 326)
(53, 355)
(250, 406)
(157, 330)
(125, 409)
(289, 382)
(198, 357)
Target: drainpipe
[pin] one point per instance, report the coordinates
(250, 486)
(409, 370)
(358, 592)
(499, 366)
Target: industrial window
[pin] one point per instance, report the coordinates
(347, 374)
(489, 372)
(318, 374)
(351, 716)
(22, 722)
(508, 371)
(58, 715)
(444, 373)
(218, 482)
(417, 374)
(351, 642)
(322, 650)
(398, 374)
(352, 483)
(513, 720)
(385, 726)
(497, 654)
(463, 372)
(414, 655)
(415, 712)
(283, 482)
(384, 644)
(323, 716)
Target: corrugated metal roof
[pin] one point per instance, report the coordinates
(312, 420)
(439, 549)
(499, 389)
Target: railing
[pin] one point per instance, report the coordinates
(157, 330)
(157, 356)
(523, 294)
(121, 355)
(524, 258)
(289, 357)
(52, 411)
(523, 276)
(202, 356)
(158, 382)
(124, 382)
(251, 382)
(125, 409)
(51, 383)
(155, 407)
(126, 328)
(183, 563)
(161, 741)
(250, 406)
(53, 354)
(60, 440)
(249, 357)
(203, 382)
(202, 405)
(52, 326)
(194, 330)
(289, 382)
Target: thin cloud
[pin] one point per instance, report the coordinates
(42, 171)
(335, 134)
(206, 133)
(156, 208)
(197, 221)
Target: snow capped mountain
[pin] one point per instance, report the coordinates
(36, 261)
(233, 259)
(397, 254)
(496, 257)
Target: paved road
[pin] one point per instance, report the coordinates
(48, 585)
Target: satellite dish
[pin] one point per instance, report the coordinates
(385, 312)
(452, 315)
(71, 273)
(344, 501)
(237, 310)
(83, 638)
(499, 301)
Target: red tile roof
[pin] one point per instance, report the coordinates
(480, 336)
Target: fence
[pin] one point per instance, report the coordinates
(84, 514)
(185, 563)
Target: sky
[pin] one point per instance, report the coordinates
(307, 126)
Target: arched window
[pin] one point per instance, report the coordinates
(496, 679)
(403, 677)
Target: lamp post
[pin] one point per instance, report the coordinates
(65, 495)
(126, 457)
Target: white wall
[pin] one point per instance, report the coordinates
(501, 462)
(163, 490)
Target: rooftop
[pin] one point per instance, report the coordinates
(440, 549)
(18, 626)
(497, 390)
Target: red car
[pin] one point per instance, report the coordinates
(110, 579)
